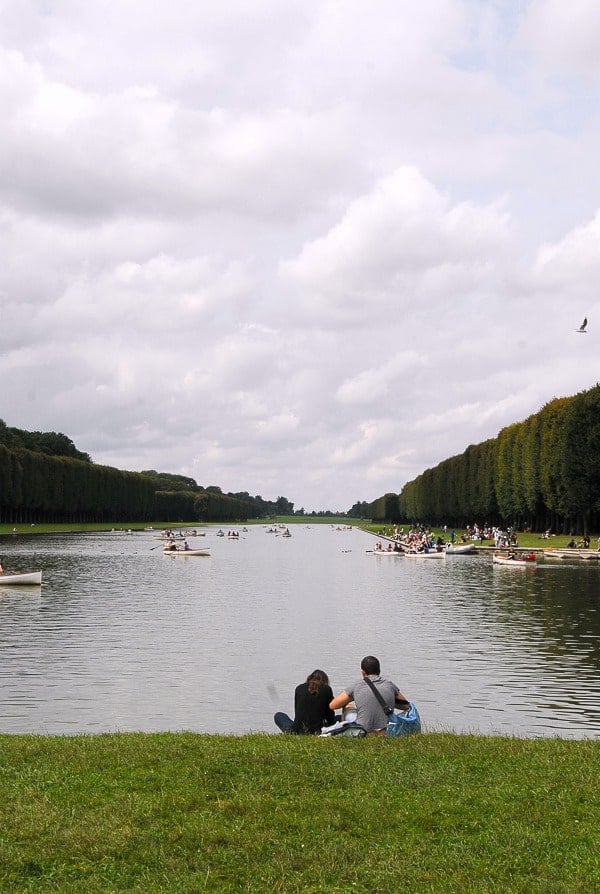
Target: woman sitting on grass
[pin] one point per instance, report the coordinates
(311, 707)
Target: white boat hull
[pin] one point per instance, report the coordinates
(432, 554)
(466, 549)
(504, 560)
(572, 554)
(25, 578)
(205, 551)
(387, 552)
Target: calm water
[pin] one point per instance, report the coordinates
(122, 637)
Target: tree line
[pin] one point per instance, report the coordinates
(38, 486)
(539, 474)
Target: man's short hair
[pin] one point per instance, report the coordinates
(370, 665)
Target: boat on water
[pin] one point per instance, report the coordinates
(25, 578)
(522, 560)
(386, 552)
(430, 554)
(180, 551)
(572, 554)
(461, 549)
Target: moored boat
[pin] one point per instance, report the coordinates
(461, 549)
(523, 560)
(431, 554)
(386, 552)
(572, 554)
(25, 578)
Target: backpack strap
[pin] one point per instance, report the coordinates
(379, 697)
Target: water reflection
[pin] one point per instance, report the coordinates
(121, 637)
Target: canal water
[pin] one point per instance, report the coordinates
(121, 637)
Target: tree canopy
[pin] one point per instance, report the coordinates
(541, 473)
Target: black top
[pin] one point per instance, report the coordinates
(312, 711)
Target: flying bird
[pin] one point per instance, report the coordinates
(583, 325)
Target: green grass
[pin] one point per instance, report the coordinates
(189, 813)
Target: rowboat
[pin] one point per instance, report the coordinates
(572, 554)
(461, 549)
(432, 554)
(178, 551)
(386, 552)
(507, 560)
(21, 577)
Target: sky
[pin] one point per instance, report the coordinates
(296, 248)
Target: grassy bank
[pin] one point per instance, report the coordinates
(188, 813)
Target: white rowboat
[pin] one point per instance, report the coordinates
(204, 551)
(386, 552)
(572, 554)
(504, 560)
(27, 578)
(432, 554)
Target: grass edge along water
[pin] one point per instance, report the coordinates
(185, 813)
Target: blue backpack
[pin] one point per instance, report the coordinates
(404, 724)
(399, 724)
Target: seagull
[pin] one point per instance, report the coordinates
(583, 325)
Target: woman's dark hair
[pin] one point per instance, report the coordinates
(370, 665)
(316, 681)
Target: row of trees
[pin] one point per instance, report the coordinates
(542, 473)
(49, 442)
(38, 487)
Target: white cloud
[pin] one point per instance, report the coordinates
(305, 249)
(402, 244)
(564, 38)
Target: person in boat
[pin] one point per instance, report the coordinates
(369, 713)
(1, 568)
(311, 707)
(186, 545)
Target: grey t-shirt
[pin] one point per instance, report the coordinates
(369, 712)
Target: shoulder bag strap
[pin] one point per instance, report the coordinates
(378, 696)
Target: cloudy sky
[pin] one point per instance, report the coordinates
(293, 247)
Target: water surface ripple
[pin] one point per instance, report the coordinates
(122, 637)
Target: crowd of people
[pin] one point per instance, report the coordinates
(421, 537)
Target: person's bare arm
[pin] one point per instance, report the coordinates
(340, 701)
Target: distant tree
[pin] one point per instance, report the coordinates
(283, 506)
(580, 465)
(169, 482)
(51, 443)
